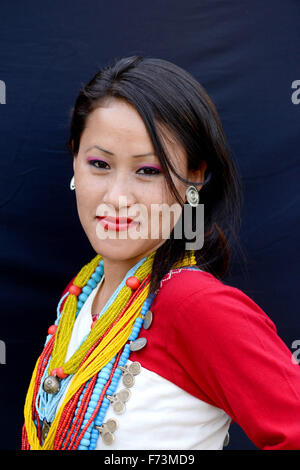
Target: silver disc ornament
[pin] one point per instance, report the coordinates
(51, 384)
(124, 394)
(148, 320)
(134, 368)
(108, 438)
(119, 407)
(128, 379)
(137, 344)
(111, 424)
(192, 196)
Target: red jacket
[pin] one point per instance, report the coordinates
(217, 344)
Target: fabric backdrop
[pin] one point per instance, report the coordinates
(246, 55)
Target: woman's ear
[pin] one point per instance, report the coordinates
(74, 163)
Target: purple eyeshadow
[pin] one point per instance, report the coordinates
(151, 166)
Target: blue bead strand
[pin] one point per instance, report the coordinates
(88, 288)
(118, 373)
(102, 378)
(111, 390)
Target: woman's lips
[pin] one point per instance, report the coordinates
(116, 223)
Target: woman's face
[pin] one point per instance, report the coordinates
(118, 175)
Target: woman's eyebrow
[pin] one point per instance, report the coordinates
(110, 153)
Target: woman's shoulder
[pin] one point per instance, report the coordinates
(182, 284)
(200, 294)
(186, 280)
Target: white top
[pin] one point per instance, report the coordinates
(159, 414)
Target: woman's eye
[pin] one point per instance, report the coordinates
(148, 171)
(97, 163)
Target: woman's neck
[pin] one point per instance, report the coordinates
(114, 273)
(116, 270)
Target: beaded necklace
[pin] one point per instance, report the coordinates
(87, 381)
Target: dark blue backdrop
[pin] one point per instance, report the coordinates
(246, 55)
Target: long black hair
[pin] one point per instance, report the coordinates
(168, 98)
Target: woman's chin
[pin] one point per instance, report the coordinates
(116, 249)
(122, 250)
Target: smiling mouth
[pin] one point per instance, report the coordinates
(116, 223)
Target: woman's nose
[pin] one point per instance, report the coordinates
(118, 192)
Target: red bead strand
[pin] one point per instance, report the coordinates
(66, 418)
(40, 371)
(81, 412)
(95, 412)
(25, 443)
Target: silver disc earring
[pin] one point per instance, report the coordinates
(72, 183)
(192, 196)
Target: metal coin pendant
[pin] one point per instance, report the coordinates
(112, 398)
(124, 395)
(45, 430)
(108, 438)
(111, 424)
(134, 368)
(128, 379)
(119, 407)
(51, 384)
(138, 344)
(148, 320)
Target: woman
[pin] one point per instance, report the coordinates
(150, 349)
